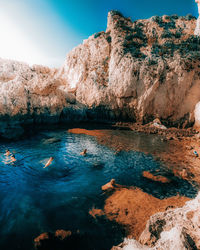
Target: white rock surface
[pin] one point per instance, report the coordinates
(197, 116)
(109, 70)
(33, 94)
(197, 29)
(134, 71)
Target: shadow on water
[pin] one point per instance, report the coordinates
(34, 199)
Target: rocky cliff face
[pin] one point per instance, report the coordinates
(133, 71)
(139, 70)
(33, 95)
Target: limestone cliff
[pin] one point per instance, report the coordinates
(134, 71)
(33, 95)
(139, 70)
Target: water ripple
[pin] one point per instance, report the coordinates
(34, 199)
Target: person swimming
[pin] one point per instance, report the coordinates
(84, 152)
(49, 162)
(12, 158)
(7, 153)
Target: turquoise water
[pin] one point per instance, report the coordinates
(35, 200)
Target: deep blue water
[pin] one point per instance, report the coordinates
(35, 200)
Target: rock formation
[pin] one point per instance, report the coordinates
(174, 229)
(33, 95)
(134, 71)
(197, 30)
(139, 70)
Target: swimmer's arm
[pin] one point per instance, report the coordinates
(47, 164)
(7, 162)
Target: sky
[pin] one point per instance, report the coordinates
(44, 31)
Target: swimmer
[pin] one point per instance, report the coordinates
(84, 152)
(49, 162)
(7, 152)
(8, 157)
(12, 158)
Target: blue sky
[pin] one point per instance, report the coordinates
(43, 31)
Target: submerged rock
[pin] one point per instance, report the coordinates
(132, 208)
(48, 241)
(51, 140)
(173, 229)
(154, 177)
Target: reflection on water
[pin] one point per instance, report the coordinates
(34, 200)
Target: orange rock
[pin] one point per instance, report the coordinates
(109, 186)
(94, 212)
(158, 178)
(41, 237)
(132, 208)
(62, 234)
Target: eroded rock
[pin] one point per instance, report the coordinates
(33, 95)
(135, 71)
(139, 70)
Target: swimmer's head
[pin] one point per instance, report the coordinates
(51, 158)
(13, 156)
(7, 150)
(112, 181)
(85, 151)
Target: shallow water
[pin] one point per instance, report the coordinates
(35, 200)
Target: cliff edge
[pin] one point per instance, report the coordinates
(139, 70)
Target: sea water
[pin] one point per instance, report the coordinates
(34, 199)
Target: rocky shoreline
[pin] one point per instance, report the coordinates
(153, 223)
(120, 206)
(173, 229)
(180, 157)
(178, 227)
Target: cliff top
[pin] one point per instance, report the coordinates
(153, 37)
